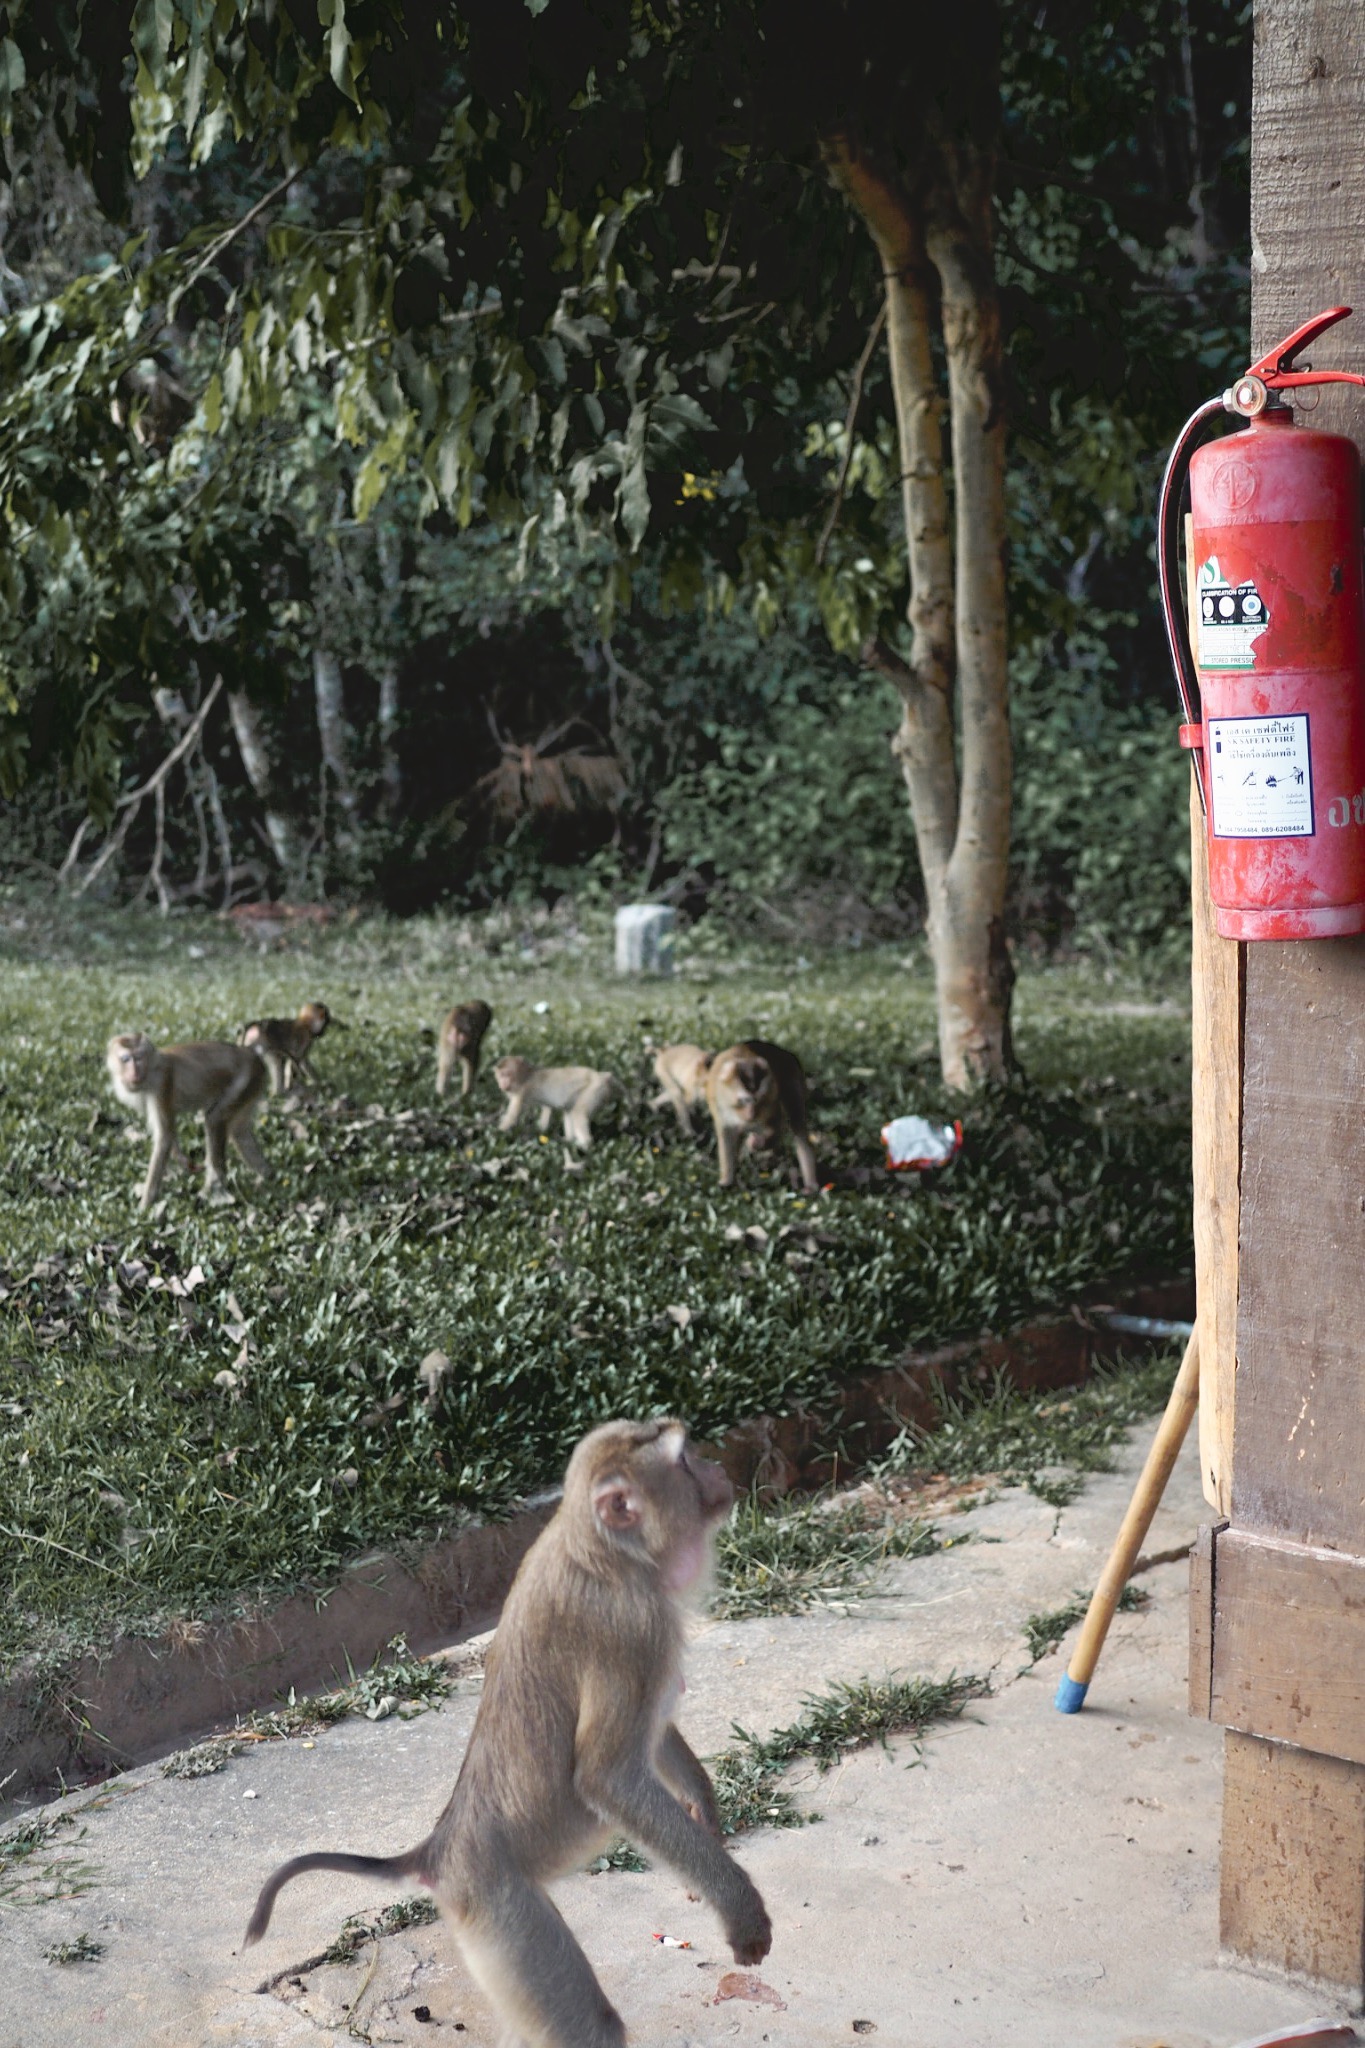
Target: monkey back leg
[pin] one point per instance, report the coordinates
(215, 1149)
(534, 1974)
(243, 1136)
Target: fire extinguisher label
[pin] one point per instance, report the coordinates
(1260, 777)
(1231, 619)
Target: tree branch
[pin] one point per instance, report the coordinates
(850, 422)
(229, 236)
(130, 804)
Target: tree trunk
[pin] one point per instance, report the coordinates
(974, 972)
(334, 734)
(390, 574)
(957, 623)
(254, 748)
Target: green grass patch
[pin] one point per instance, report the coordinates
(811, 1553)
(748, 1777)
(403, 1685)
(205, 1408)
(1046, 1442)
(84, 1949)
(38, 1863)
(359, 1929)
(1043, 1632)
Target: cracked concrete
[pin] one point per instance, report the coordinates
(1023, 1878)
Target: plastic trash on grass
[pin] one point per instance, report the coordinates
(913, 1144)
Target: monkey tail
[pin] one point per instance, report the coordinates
(411, 1864)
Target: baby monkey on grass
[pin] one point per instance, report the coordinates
(578, 1091)
(284, 1043)
(575, 1740)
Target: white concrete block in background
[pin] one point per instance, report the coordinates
(644, 938)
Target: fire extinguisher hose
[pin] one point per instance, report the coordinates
(1168, 567)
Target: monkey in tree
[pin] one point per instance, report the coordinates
(749, 1090)
(575, 1740)
(224, 1082)
(284, 1043)
(460, 1038)
(578, 1091)
(680, 1071)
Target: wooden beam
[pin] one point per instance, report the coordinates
(1288, 1654)
(1202, 1555)
(1293, 1859)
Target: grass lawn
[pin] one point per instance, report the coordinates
(217, 1403)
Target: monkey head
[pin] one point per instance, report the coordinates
(512, 1072)
(315, 1017)
(129, 1059)
(751, 1079)
(649, 1495)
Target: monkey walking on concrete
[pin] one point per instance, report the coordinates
(575, 1740)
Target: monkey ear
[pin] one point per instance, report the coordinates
(616, 1505)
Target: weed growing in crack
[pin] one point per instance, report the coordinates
(811, 1553)
(405, 1685)
(618, 1855)
(82, 1950)
(846, 1717)
(1043, 1632)
(360, 1928)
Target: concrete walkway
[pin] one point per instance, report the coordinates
(1030, 1879)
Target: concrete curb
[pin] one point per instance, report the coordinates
(139, 1697)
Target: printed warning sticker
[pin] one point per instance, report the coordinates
(1260, 777)
(1231, 619)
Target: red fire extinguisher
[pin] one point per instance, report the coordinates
(1273, 686)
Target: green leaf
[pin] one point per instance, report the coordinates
(339, 43)
(152, 24)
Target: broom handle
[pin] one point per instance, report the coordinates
(1180, 1410)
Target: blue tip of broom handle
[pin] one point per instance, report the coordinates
(1071, 1696)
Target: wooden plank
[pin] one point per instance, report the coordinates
(1217, 976)
(1293, 1889)
(1201, 1621)
(1216, 983)
(1289, 1644)
(1299, 1447)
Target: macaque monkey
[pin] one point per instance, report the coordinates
(284, 1043)
(460, 1038)
(748, 1091)
(680, 1071)
(579, 1091)
(575, 1740)
(225, 1082)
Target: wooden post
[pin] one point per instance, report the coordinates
(1282, 1586)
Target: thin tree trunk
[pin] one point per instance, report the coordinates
(957, 623)
(391, 576)
(334, 734)
(254, 748)
(974, 971)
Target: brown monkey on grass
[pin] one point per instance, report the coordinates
(225, 1082)
(575, 1740)
(578, 1091)
(749, 1089)
(680, 1071)
(284, 1043)
(460, 1038)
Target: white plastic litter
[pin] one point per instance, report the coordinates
(913, 1143)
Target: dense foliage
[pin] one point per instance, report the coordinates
(604, 348)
